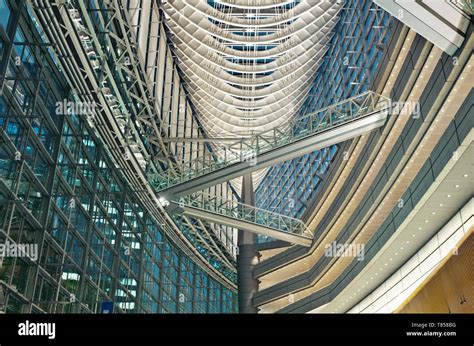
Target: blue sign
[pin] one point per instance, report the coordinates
(106, 307)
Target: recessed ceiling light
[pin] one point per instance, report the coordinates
(401, 248)
(419, 228)
(449, 196)
(426, 221)
(465, 175)
(441, 204)
(408, 242)
(413, 235)
(456, 186)
(433, 213)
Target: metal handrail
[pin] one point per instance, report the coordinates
(245, 212)
(247, 149)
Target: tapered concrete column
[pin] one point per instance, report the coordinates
(247, 256)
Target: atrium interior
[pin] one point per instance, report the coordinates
(236, 156)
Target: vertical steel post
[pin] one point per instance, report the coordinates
(247, 256)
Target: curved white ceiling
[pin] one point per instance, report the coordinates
(248, 64)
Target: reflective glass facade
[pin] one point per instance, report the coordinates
(61, 190)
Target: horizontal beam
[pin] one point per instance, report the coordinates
(246, 226)
(202, 140)
(323, 139)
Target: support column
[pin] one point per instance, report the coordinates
(247, 285)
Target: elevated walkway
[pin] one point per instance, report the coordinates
(334, 124)
(244, 217)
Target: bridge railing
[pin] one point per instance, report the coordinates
(248, 149)
(244, 212)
